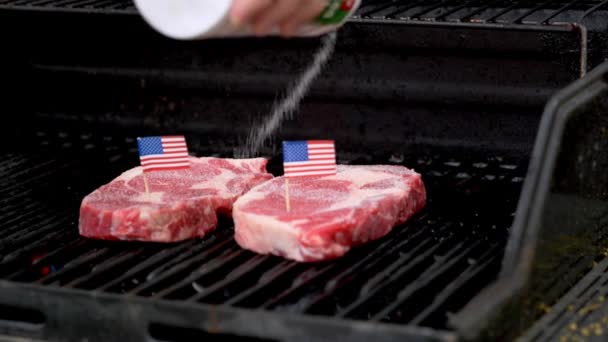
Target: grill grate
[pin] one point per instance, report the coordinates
(417, 275)
(580, 315)
(521, 12)
(537, 12)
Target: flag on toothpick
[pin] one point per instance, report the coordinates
(309, 158)
(163, 153)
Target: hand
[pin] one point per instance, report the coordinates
(265, 15)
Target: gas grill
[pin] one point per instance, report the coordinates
(454, 89)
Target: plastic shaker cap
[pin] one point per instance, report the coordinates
(184, 19)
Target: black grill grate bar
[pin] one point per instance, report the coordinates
(566, 313)
(19, 2)
(164, 275)
(449, 10)
(34, 3)
(23, 251)
(448, 262)
(368, 10)
(444, 14)
(70, 3)
(557, 275)
(84, 269)
(562, 9)
(165, 256)
(33, 175)
(276, 274)
(428, 9)
(13, 162)
(27, 169)
(71, 266)
(594, 9)
(57, 3)
(97, 4)
(222, 262)
(501, 13)
(384, 255)
(468, 14)
(16, 215)
(303, 279)
(519, 18)
(49, 223)
(363, 262)
(410, 12)
(15, 212)
(489, 258)
(435, 10)
(109, 264)
(579, 308)
(315, 275)
(15, 199)
(326, 271)
(112, 5)
(155, 270)
(389, 11)
(252, 266)
(20, 211)
(87, 3)
(26, 216)
(48, 259)
(409, 261)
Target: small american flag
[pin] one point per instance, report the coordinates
(163, 153)
(309, 158)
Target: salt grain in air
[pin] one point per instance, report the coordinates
(284, 109)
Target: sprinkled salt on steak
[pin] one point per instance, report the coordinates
(329, 215)
(181, 205)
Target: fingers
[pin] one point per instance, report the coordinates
(282, 10)
(307, 14)
(246, 11)
(266, 15)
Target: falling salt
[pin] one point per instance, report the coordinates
(197, 287)
(398, 159)
(284, 109)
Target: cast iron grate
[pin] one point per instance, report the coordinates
(417, 275)
(535, 12)
(580, 315)
(526, 12)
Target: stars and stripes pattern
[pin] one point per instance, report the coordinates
(309, 158)
(163, 153)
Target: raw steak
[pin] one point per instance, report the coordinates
(181, 204)
(330, 214)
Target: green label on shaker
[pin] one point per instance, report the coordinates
(336, 12)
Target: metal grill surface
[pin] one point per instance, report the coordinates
(417, 275)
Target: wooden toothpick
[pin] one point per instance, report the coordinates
(146, 185)
(287, 200)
